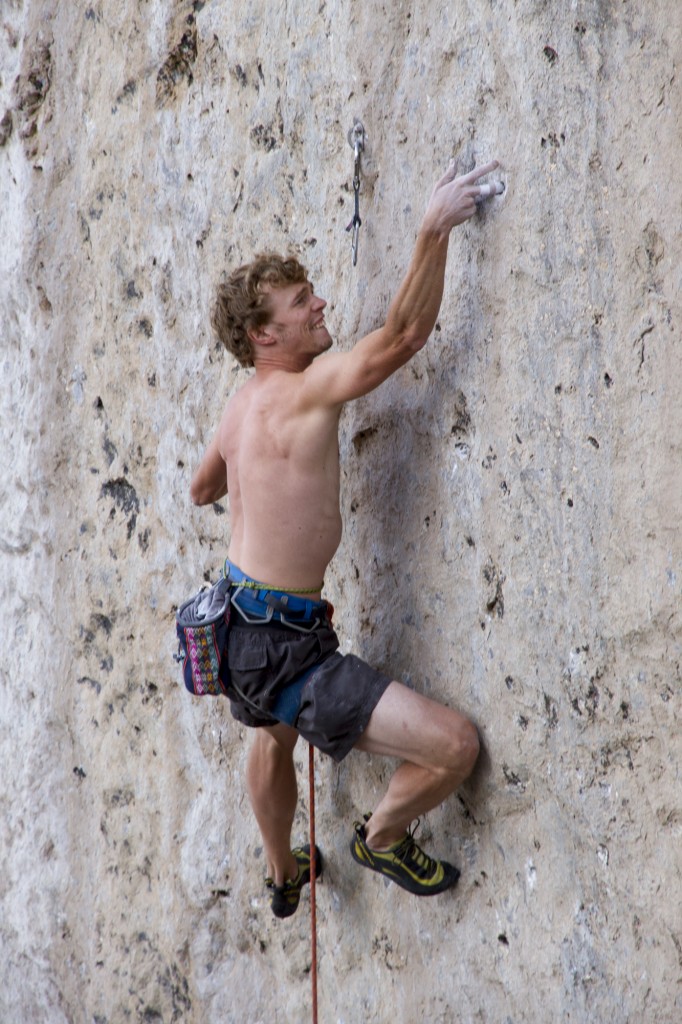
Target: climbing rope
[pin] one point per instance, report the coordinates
(356, 139)
(313, 861)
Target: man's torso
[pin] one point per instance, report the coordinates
(283, 482)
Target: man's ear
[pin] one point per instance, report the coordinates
(260, 335)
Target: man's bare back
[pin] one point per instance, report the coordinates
(283, 482)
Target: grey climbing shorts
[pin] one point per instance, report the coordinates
(280, 674)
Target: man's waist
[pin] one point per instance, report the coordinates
(258, 600)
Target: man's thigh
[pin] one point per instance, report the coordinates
(414, 728)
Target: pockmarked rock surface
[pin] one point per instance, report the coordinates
(511, 501)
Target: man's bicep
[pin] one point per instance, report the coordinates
(342, 376)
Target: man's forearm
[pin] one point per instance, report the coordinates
(413, 312)
(209, 482)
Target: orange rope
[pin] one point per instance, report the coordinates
(313, 872)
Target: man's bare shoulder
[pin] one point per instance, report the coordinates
(235, 412)
(267, 397)
(249, 397)
(280, 392)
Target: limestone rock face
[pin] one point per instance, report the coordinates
(511, 501)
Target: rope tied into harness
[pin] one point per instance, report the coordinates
(250, 584)
(255, 585)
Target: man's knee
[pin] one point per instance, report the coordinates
(271, 748)
(471, 746)
(464, 748)
(277, 739)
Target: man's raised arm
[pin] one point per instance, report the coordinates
(340, 377)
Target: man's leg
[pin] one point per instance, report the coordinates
(271, 784)
(438, 747)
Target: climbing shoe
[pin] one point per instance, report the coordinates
(404, 863)
(284, 899)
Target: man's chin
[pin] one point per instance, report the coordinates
(324, 340)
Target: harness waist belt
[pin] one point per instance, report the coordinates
(267, 603)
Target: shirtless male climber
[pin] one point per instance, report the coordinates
(276, 451)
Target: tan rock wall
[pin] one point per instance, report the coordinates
(511, 501)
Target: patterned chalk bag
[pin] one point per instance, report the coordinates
(202, 625)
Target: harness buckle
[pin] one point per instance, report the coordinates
(255, 620)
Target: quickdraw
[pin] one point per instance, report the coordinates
(356, 140)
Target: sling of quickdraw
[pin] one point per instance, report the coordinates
(356, 139)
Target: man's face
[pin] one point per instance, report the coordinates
(297, 319)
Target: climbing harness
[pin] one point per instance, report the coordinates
(313, 904)
(356, 140)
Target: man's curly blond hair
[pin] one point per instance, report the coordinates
(242, 304)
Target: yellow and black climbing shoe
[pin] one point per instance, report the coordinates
(284, 899)
(404, 863)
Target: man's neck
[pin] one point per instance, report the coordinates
(272, 362)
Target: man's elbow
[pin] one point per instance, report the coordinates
(413, 341)
(204, 494)
(199, 493)
(196, 495)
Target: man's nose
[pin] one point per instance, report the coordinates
(319, 303)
